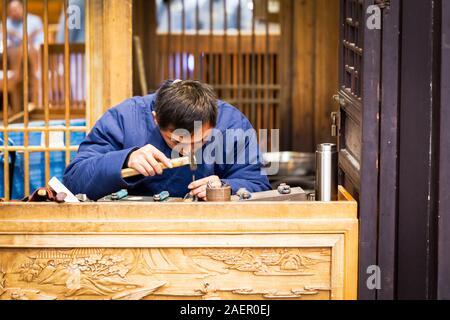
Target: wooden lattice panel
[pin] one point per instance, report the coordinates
(353, 47)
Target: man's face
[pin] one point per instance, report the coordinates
(15, 11)
(186, 144)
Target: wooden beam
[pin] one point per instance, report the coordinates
(313, 68)
(387, 230)
(326, 66)
(369, 156)
(286, 75)
(144, 27)
(303, 66)
(109, 55)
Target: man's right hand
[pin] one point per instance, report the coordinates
(147, 161)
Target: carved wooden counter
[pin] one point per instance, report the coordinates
(305, 250)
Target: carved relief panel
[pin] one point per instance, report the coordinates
(292, 272)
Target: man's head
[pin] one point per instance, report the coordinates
(179, 106)
(15, 10)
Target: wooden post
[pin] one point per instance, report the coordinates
(416, 274)
(326, 68)
(312, 65)
(286, 75)
(369, 156)
(144, 27)
(109, 55)
(387, 224)
(443, 281)
(303, 75)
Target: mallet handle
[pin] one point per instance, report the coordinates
(176, 163)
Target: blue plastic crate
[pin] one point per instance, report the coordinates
(37, 159)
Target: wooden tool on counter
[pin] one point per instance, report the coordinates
(176, 163)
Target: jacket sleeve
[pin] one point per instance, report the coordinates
(254, 183)
(96, 170)
(245, 170)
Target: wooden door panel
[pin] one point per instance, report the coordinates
(350, 92)
(360, 73)
(353, 141)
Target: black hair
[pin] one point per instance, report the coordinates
(179, 104)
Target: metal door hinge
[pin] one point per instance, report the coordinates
(339, 100)
(335, 124)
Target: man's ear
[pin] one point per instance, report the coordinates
(154, 117)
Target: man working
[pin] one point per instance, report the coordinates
(143, 132)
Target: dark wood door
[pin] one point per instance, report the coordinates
(393, 143)
(360, 75)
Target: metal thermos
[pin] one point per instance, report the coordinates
(326, 172)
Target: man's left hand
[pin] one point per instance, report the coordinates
(198, 188)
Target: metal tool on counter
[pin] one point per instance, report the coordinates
(311, 196)
(190, 161)
(189, 197)
(284, 189)
(193, 167)
(243, 194)
(161, 197)
(220, 192)
(82, 197)
(119, 195)
(284, 192)
(194, 198)
(326, 172)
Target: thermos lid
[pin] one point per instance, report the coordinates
(330, 147)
